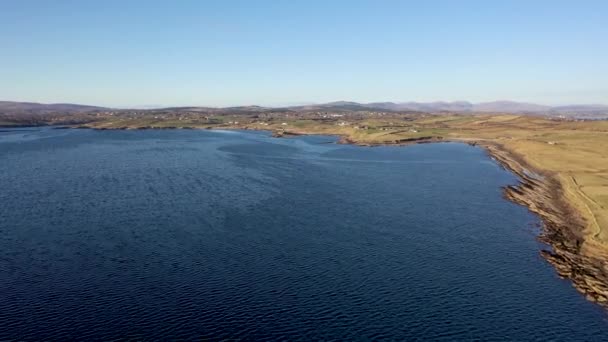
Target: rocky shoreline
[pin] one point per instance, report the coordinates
(563, 226)
(543, 194)
(400, 142)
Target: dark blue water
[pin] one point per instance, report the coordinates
(236, 235)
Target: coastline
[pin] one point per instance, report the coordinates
(563, 226)
(572, 251)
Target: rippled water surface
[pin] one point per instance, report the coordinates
(187, 234)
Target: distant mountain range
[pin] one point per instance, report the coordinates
(511, 107)
(344, 106)
(10, 106)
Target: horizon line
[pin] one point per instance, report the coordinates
(302, 104)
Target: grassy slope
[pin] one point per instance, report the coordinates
(572, 150)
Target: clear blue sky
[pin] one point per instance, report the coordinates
(220, 53)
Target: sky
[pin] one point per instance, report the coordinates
(224, 53)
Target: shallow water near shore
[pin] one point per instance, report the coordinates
(197, 234)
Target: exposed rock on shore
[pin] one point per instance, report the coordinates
(281, 134)
(562, 225)
(402, 142)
